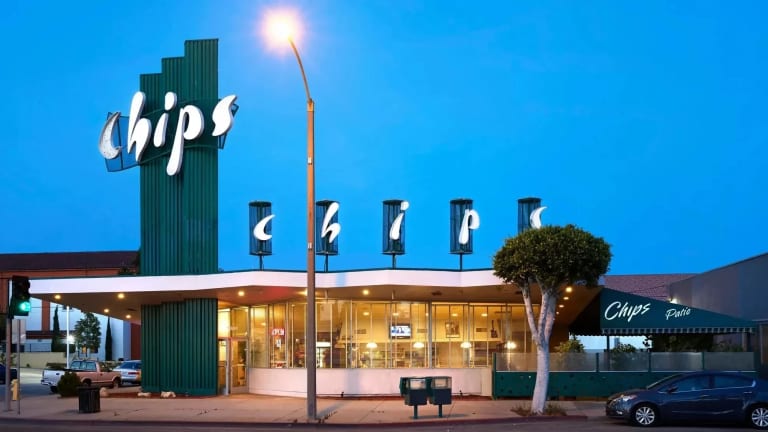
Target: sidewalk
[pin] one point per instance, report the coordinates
(256, 409)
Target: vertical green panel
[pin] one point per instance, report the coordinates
(200, 192)
(179, 343)
(172, 320)
(200, 350)
(150, 348)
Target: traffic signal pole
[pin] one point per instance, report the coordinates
(8, 321)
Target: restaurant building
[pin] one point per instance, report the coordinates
(207, 332)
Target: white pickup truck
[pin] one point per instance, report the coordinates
(91, 372)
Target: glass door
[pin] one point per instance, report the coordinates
(223, 366)
(238, 371)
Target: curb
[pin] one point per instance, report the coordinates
(296, 424)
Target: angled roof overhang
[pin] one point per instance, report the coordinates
(618, 313)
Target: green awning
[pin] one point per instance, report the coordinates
(618, 313)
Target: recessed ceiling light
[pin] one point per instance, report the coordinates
(566, 298)
(241, 293)
(57, 296)
(106, 310)
(121, 296)
(366, 292)
(128, 316)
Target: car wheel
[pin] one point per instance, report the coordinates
(758, 417)
(54, 389)
(645, 415)
(115, 383)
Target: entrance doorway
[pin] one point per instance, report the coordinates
(232, 374)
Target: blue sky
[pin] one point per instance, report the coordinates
(641, 122)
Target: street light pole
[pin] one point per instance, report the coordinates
(68, 337)
(310, 352)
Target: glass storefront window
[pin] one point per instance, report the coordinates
(278, 324)
(259, 342)
(354, 334)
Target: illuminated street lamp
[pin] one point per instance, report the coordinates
(280, 27)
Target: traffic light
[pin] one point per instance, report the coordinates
(20, 304)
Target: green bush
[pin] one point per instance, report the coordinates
(551, 409)
(572, 345)
(68, 384)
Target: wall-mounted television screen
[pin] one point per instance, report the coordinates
(400, 331)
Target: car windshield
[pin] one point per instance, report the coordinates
(662, 381)
(130, 365)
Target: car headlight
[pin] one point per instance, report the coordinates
(626, 398)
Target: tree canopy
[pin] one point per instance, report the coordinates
(88, 332)
(553, 257)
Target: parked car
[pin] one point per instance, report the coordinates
(14, 374)
(701, 397)
(130, 371)
(90, 372)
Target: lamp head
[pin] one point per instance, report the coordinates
(280, 27)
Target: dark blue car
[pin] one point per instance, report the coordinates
(14, 374)
(700, 397)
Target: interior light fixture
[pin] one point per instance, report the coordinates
(128, 316)
(57, 296)
(120, 296)
(241, 293)
(366, 292)
(466, 344)
(371, 345)
(510, 345)
(418, 345)
(106, 310)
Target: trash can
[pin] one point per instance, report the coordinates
(414, 391)
(89, 399)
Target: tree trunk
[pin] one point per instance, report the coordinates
(539, 400)
(541, 333)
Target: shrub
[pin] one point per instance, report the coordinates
(572, 345)
(551, 409)
(68, 384)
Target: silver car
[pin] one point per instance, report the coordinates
(130, 372)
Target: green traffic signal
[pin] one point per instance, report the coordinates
(24, 307)
(20, 304)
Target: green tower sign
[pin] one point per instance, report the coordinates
(175, 127)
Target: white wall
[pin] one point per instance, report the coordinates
(369, 382)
